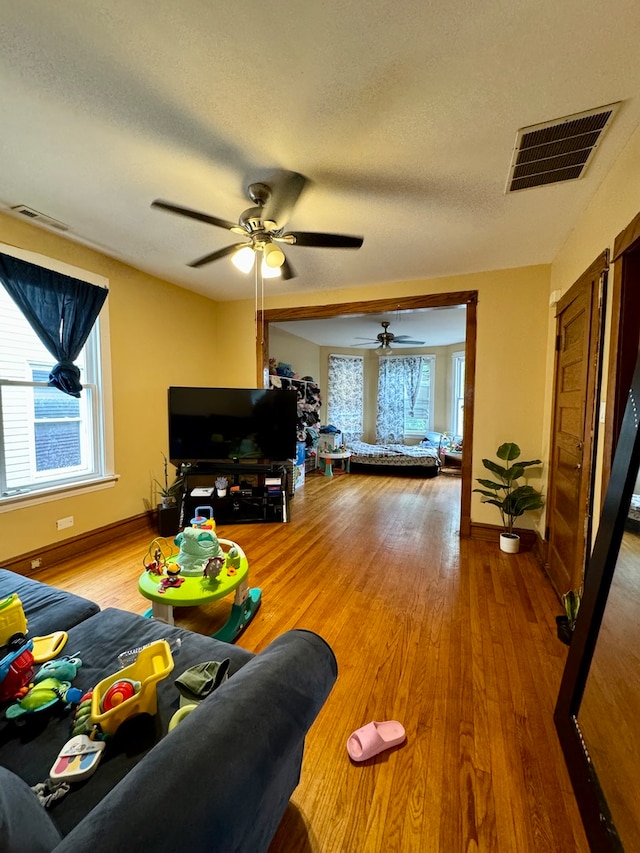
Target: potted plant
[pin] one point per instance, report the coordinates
(565, 624)
(221, 486)
(512, 500)
(169, 494)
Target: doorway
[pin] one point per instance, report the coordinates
(438, 300)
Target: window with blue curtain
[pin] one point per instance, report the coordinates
(48, 438)
(405, 397)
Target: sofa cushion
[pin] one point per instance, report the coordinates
(30, 749)
(47, 609)
(24, 824)
(222, 779)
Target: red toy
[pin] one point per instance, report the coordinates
(16, 671)
(118, 693)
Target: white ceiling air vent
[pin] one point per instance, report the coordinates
(559, 150)
(40, 218)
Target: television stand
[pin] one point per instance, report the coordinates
(249, 500)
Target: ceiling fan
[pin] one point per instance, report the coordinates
(385, 338)
(263, 226)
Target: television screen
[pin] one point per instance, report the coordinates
(216, 424)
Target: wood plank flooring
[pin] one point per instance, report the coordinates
(453, 638)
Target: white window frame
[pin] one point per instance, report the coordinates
(100, 394)
(457, 391)
(430, 361)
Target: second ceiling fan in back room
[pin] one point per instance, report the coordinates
(385, 338)
(263, 225)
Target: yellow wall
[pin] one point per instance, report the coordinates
(613, 206)
(150, 350)
(163, 335)
(302, 355)
(513, 323)
(308, 359)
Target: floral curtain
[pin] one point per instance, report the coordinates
(412, 375)
(394, 375)
(345, 400)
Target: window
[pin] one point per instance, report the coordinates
(345, 401)
(47, 438)
(405, 397)
(457, 393)
(421, 420)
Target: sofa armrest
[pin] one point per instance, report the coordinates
(221, 780)
(47, 608)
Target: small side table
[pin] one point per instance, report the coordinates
(327, 458)
(452, 459)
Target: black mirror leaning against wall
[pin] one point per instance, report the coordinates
(598, 710)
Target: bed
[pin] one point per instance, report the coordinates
(424, 455)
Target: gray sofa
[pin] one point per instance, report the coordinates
(219, 781)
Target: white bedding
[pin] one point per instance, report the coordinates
(393, 454)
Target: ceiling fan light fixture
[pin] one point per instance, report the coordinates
(269, 272)
(384, 349)
(273, 255)
(243, 259)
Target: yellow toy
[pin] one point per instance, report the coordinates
(204, 522)
(154, 662)
(49, 647)
(12, 618)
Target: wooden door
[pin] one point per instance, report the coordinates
(577, 372)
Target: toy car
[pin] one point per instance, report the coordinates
(13, 623)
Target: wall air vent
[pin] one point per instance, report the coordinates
(40, 218)
(559, 150)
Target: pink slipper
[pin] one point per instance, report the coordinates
(374, 738)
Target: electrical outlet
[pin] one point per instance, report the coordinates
(63, 523)
(35, 564)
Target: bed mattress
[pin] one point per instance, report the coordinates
(394, 454)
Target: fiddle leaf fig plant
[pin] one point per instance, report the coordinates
(512, 500)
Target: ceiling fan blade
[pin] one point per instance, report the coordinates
(193, 214)
(214, 256)
(327, 241)
(403, 340)
(287, 271)
(286, 188)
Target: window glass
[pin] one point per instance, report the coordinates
(47, 438)
(457, 395)
(421, 420)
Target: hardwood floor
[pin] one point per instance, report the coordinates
(453, 638)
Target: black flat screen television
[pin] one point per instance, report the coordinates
(219, 424)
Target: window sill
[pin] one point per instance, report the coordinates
(54, 493)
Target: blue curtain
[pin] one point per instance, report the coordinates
(61, 311)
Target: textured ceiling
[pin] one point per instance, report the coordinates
(402, 115)
(435, 326)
